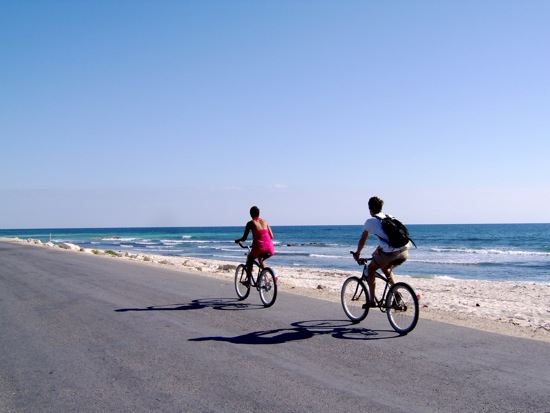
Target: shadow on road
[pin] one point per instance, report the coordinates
(215, 303)
(300, 330)
(303, 330)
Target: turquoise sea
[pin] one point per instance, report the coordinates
(497, 252)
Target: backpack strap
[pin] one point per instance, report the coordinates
(378, 236)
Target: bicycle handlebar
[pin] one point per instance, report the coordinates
(361, 261)
(242, 245)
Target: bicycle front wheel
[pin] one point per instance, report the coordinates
(355, 296)
(402, 308)
(241, 287)
(267, 286)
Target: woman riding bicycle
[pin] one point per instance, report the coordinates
(262, 240)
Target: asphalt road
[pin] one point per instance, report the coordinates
(81, 333)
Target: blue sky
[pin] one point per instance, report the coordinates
(186, 113)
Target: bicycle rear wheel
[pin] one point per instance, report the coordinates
(267, 286)
(402, 308)
(240, 278)
(354, 296)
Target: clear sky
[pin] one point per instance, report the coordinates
(186, 113)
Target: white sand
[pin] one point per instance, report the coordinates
(516, 309)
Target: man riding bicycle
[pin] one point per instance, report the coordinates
(385, 256)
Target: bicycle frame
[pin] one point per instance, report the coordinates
(255, 263)
(254, 279)
(381, 304)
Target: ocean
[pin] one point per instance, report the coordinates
(492, 252)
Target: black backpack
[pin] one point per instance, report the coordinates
(398, 234)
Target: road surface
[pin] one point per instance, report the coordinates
(83, 333)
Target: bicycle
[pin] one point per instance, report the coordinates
(398, 301)
(265, 282)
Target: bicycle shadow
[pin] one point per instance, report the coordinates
(227, 304)
(300, 330)
(304, 330)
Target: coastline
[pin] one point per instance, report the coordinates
(503, 307)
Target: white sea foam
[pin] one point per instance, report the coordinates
(337, 257)
(303, 253)
(202, 242)
(119, 239)
(490, 251)
(450, 261)
(145, 242)
(230, 250)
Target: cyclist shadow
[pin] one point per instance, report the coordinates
(199, 304)
(303, 330)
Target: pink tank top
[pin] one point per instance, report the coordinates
(262, 242)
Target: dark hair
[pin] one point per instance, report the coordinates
(376, 204)
(254, 212)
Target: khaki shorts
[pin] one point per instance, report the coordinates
(386, 259)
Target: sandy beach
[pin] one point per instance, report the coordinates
(515, 309)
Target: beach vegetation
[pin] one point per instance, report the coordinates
(111, 252)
